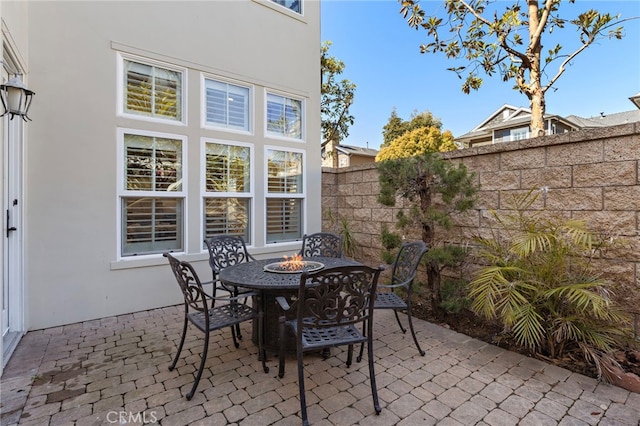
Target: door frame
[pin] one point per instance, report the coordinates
(13, 242)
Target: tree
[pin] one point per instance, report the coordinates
(396, 126)
(437, 189)
(416, 142)
(489, 37)
(336, 97)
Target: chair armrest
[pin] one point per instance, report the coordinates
(404, 284)
(282, 301)
(232, 298)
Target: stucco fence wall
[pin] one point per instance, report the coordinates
(592, 175)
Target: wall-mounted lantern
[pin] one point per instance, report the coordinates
(16, 98)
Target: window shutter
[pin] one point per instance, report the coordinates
(227, 105)
(152, 164)
(151, 225)
(284, 219)
(228, 168)
(227, 216)
(152, 91)
(167, 90)
(151, 202)
(284, 116)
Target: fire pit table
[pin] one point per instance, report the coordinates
(270, 278)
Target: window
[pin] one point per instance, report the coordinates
(227, 190)
(295, 5)
(285, 196)
(227, 105)
(284, 116)
(152, 91)
(151, 193)
(519, 134)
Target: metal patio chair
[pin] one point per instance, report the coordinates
(225, 251)
(323, 244)
(331, 307)
(404, 272)
(209, 314)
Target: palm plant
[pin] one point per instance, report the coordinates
(540, 283)
(350, 246)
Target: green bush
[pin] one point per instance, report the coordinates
(390, 242)
(539, 282)
(454, 295)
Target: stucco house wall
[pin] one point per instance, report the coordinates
(73, 271)
(591, 175)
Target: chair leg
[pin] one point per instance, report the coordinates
(413, 332)
(238, 333)
(349, 355)
(364, 333)
(184, 334)
(404, 330)
(303, 398)
(281, 351)
(202, 361)
(262, 354)
(233, 336)
(372, 375)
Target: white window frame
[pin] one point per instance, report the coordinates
(121, 90)
(302, 195)
(250, 195)
(203, 103)
(303, 120)
(122, 192)
(300, 2)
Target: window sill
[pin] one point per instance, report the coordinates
(154, 260)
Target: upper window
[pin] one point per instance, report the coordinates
(151, 193)
(284, 116)
(519, 134)
(227, 190)
(227, 105)
(152, 91)
(285, 196)
(295, 5)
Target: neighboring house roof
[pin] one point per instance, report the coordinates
(608, 120)
(356, 150)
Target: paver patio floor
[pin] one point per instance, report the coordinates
(114, 371)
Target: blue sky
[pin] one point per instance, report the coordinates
(382, 57)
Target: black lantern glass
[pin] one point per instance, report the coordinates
(16, 98)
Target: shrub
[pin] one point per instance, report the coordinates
(539, 282)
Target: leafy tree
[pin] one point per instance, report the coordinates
(541, 284)
(336, 97)
(416, 142)
(437, 189)
(507, 38)
(394, 128)
(397, 127)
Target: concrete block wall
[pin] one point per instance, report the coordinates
(593, 175)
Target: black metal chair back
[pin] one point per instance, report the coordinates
(323, 244)
(194, 296)
(226, 250)
(407, 261)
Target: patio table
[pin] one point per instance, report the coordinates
(269, 285)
